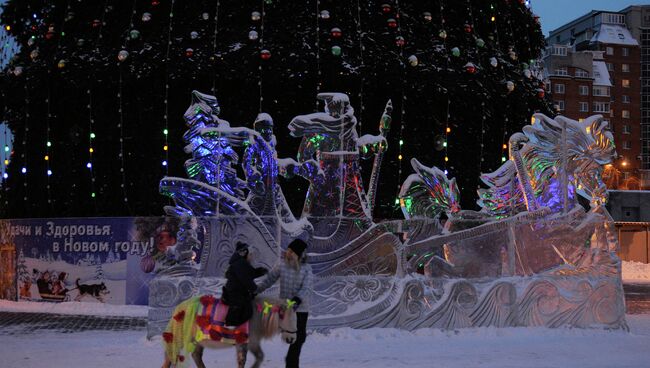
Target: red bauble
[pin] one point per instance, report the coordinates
(468, 28)
(155, 2)
(147, 264)
(470, 68)
(399, 41)
(265, 54)
(386, 8)
(189, 52)
(49, 35)
(97, 23)
(336, 32)
(541, 93)
(392, 23)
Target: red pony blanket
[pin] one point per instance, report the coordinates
(210, 320)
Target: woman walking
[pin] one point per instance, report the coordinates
(295, 284)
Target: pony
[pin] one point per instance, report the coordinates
(198, 323)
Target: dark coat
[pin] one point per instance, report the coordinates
(240, 290)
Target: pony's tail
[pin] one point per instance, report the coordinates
(177, 338)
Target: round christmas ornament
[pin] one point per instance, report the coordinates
(442, 34)
(336, 32)
(512, 54)
(386, 8)
(470, 68)
(96, 23)
(399, 41)
(336, 50)
(205, 16)
(468, 28)
(252, 35)
(413, 60)
(122, 55)
(392, 23)
(146, 17)
(510, 86)
(455, 51)
(325, 14)
(528, 73)
(194, 35)
(80, 42)
(18, 71)
(189, 52)
(427, 16)
(155, 2)
(265, 54)
(494, 62)
(480, 42)
(61, 64)
(34, 54)
(255, 16)
(134, 34)
(540, 93)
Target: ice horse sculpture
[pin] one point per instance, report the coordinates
(533, 256)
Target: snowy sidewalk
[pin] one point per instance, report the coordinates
(14, 323)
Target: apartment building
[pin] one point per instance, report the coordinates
(593, 66)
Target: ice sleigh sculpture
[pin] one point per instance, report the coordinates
(532, 256)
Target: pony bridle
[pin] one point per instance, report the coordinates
(287, 331)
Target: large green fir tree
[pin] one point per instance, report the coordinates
(114, 78)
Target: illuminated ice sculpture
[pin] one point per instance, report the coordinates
(532, 256)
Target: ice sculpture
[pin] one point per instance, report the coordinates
(532, 256)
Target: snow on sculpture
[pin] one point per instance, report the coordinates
(532, 256)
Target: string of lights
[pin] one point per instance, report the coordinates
(23, 155)
(166, 100)
(325, 15)
(48, 143)
(361, 65)
(447, 131)
(132, 33)
(264, 55)
(214, 46)
(91, 120)
(399, 41)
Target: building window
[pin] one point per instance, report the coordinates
(625, 83)
(583, 90)
(625, 114)
(609, 50)
(625, 99)
(584, 107)
(560, 105)
(559, 88)
(625, 51)
(561, 71)
(612, 18)
(625, 68)
(581, 73)
(559, 50)
(610, 67)
(626, 129)
(600, 107)
(627, 145)
(601, 91)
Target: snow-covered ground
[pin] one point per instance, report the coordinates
(636, 272)
(373, 348)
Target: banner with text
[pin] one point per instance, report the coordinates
(107, 260)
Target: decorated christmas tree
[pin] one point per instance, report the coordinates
(96, 95)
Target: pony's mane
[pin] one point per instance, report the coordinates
(268, 323)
